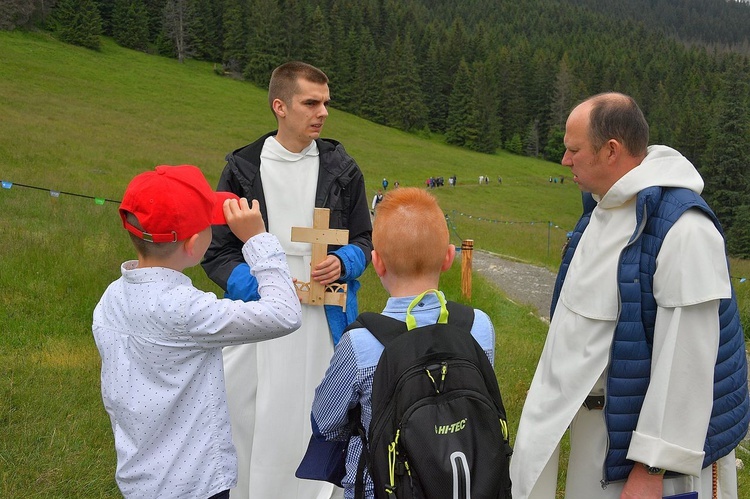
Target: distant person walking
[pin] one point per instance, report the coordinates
(377, 198)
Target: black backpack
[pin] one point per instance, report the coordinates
(438, 426)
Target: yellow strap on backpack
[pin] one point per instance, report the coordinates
(411, 322)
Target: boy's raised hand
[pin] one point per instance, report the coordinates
(245, 221)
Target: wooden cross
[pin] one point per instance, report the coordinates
(320, 235)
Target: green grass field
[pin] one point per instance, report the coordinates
(85, 123)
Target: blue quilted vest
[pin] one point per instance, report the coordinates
(657, 209)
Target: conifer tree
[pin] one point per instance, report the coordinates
(235, 35)
(514, 144)
(345, 47)
(368, 95)
(295, 16)
(564, 93)
(343, 71)
(725, 164)
(485, 102)
(437, 85)
(456, 43)
(531, 142)
(514, 111)
(738, 237)
(402, 91)
(462, 117)
(554, 149)
(130, 24)
(155, 14)
(265, 49)
(205, 30)
(317, 47)
(77, 22)
(540, 90)
(691, 124)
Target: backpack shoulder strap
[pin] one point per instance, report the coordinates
(385, 329)
(459, 315)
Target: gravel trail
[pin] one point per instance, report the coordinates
(523, 283)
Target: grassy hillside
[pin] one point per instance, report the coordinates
(101, 117)
(85, 123)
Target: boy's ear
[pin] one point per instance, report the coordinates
(189, 244)
(377, 264)
(450, 255)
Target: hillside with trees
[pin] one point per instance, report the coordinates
(481, 74)
(721, 25)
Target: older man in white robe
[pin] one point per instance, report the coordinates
(569, 387)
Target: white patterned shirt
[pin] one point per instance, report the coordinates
(160, 341)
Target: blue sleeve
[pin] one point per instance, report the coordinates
(353, 261)
(484, 332)
(242, 285)
(337, 393)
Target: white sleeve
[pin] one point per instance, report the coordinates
(691, 277)
(221, 322)
(691, 266)
(674, 418)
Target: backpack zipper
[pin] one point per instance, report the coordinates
(443, 371)
(390, 488)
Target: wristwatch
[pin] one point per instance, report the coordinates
(654, 471)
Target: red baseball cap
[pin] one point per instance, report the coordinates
(172, 203)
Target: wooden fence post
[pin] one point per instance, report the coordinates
(467, 248)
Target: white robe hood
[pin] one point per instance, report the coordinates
(662, 166)
(591, 287)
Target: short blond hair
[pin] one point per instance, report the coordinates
(410, 233)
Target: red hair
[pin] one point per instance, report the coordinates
(410, 233)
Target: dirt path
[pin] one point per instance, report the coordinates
(523, 283)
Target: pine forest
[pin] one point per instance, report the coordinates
(480, 74)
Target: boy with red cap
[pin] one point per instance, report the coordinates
(160, 338)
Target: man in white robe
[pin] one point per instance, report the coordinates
(270, 389)
(691, 277)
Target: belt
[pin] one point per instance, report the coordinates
(594, 402)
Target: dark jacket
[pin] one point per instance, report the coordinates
(657, 209)
(341, 188)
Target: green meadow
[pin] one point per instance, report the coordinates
(82, 124)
